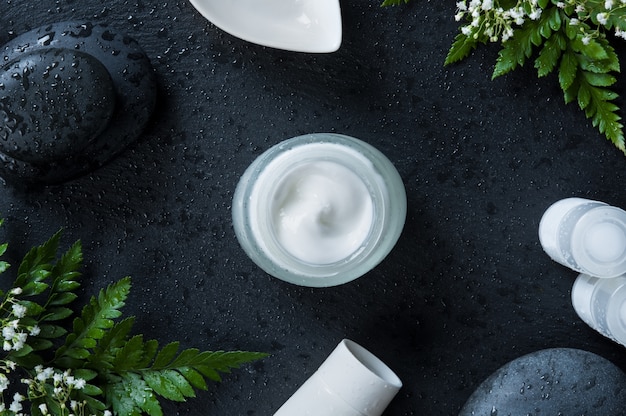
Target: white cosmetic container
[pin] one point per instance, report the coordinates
(586, 236)
(319, 210)
(350, 382)
(601, 304)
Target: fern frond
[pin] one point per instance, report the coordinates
(35, 267)
(96, 318)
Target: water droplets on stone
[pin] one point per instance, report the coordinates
(56, 101)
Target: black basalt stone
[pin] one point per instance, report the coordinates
(72, 96)
(559, 381)
(54, 103)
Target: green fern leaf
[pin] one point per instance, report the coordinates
(604, 116)
(550, 54)
(108, 346)
(514, 52)
(165, 356)
(130, 355)
(169, 384)
(97, 316)
(194, 377)
(64, 276)
(51, 331)
(393, 2)
(56, 314)
(598, 79)
(568, 69)
(584, 96)
(117, 392)
(460, 49)
(35, 267)
(519, 48)
(214, 362)
(130, 395)
(592, 49)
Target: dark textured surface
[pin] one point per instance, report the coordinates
(557, 381)
(466, 290)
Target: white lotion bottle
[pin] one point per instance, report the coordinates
(350, 382)
(601, 304)
(585, 235)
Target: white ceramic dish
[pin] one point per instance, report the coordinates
(295, 25)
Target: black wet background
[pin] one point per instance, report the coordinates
(468, 287)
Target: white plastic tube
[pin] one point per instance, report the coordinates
(350, 382)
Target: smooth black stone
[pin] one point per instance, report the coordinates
(558, 381)
(53, 104)
(134, 91)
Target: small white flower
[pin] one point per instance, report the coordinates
(602, 18)
(16, 291)
(608, 4)
(461, 5)
(7, 346)
(466, 30)
(19, 310)
(79, 383)
(560, 5)
(580, 9)
(19, 340)
(57, 377)
(4, 382)
(487, 5)
(43, 409)
(15, 407)
(574, 22)
(44, 373)
(107, 413)
(535, 14)
(507, 34)
(8, 332)
(34, 331)
(586, 39)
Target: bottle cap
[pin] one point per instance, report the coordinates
(599, 242)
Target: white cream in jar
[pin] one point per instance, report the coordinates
(322, 212)
(319, 209)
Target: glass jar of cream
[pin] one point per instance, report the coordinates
(319, 210)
